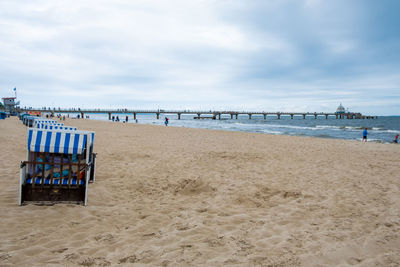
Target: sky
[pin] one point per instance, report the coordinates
(275, 55)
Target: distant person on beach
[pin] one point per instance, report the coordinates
(126, 119)
(113, 118)
(117, 118)
(166, 121)
(396, 139)
(365, 133)
(136, 121)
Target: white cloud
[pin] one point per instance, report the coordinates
(252, 55)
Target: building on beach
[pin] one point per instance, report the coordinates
(10, 104)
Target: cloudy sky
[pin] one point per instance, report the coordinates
(271, 55)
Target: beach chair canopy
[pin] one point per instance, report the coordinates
(53, 141)
(45, 121)
(55, 126)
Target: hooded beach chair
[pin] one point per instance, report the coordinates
(58, 167)
(25, 119)
(54, 126)
(28, 118)
(22, 115)
(46, 121)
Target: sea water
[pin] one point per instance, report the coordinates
(382, 129)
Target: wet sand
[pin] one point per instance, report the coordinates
(169, 196)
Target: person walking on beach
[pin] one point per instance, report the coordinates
(126, 119)
(166, 121)
(365, 133)
(396, 139)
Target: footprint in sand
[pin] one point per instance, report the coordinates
(128, 259)
(95, 262)
(60, 250)
(104, 238)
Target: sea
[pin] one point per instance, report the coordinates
(382, 130)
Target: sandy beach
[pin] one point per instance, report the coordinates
(169, 196)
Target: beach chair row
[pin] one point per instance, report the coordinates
(34, 121)
(60, 165)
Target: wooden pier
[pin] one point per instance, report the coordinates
(214, 114)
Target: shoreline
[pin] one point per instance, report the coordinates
(185, 196)
(247, 131)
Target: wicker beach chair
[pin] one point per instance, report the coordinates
(28, 120)
(55, 126)
(58, 167)
(46, 122)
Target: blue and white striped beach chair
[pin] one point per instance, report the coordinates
(55, 126)
(58, 168)
(29, 120)
(39, 121)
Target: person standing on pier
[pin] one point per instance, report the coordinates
(365, 133)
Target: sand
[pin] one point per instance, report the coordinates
(170, 196)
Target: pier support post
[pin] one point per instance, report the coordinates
(219, 116)
(265, 116)
(158, 115)
(291, 116)
(326, 116)
(109, 116)
(198, 115)
(179, 116)
(279, 116)
(304, 116)
(231, 116)
(336, 116)
(82, 114)
(236, 116)
(134, 116)
(249, 116)
(315, 116)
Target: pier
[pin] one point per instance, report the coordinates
(214, 114)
